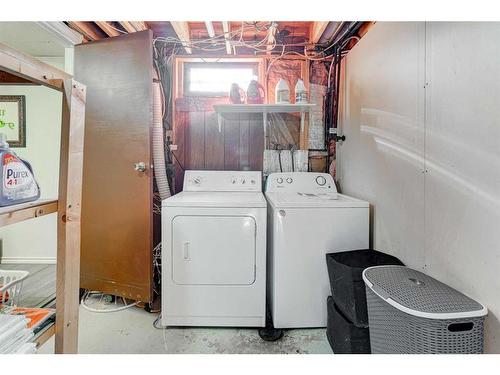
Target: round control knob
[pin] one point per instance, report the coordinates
(289, 180)
(197, 180)
(279, 180)
(320, 180)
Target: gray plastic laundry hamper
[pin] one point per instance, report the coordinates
(410, 312)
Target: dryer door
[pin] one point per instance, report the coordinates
(213, 250)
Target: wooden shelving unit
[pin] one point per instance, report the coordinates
(18, 68)
(20, 212)
(44, 335)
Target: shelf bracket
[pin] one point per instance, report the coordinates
(302, 121)
(219, 121)
(266, 141)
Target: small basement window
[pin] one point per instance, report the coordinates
(215, 79)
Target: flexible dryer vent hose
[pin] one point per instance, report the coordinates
(160, 169)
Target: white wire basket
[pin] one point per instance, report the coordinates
(11, 282)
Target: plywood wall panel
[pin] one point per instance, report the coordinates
(255, 141)
(194, 141)
(244, 143)
(231, 141)
(178, 134)
(200, 145)
(214, 143)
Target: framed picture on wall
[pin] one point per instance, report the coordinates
(13, 119)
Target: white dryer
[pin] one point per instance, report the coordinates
(214, 251)
(307, 219)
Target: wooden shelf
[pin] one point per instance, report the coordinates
(25, 211)
(17, 67)
(264, 109)
(261, 108)
(44, 335)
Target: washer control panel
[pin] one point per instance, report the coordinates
(222, 181)
(303, 182)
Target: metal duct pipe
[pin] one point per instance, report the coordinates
(160, 169)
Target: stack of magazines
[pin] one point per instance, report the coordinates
(15, 336)
(19, 325)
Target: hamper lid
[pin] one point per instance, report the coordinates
(420, 295)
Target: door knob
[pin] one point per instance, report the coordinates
(140, 166)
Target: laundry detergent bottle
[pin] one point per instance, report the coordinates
(18, 182)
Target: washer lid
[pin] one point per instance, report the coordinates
(417, 294)
(312, 200)
(215, 199)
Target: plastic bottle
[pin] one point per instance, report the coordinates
(282, 92)
(300, 92)
(18, 183)
(236, 94)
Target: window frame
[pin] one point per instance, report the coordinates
(187, 66)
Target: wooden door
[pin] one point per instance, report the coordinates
(116, 252)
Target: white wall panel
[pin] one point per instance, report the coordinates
(35, 241)
(428, 158)
(462, 185)
(382, 158)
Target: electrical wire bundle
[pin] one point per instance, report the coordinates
(331, 99)
(235, 40)
(98, 302)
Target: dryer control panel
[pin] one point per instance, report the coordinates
(223, 181)
(300, 182)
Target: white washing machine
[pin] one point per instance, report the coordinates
(214, 251)
(307, 219)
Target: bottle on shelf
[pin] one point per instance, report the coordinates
(300, 92)
(282, 92)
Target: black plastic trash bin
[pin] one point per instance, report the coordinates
(346, 282)
(343, 336)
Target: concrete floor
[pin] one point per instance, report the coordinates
(132, 331)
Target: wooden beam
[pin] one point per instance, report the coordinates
(107, 28)
(86, 29)
(21, 212)
(210, 28)
(127, 26)
(69, 213)
(225, 27)
(43, 337)
(317, 29)
(31, 69)
(139, 25)
(133, 26)
(182, 31)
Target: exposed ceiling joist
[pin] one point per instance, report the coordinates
(107, 28)
(127, 25)
(317, 29)
(139, 25)
(182, 31)
(225, 27)
(133, 26)
(210, 28)
(86, 28)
